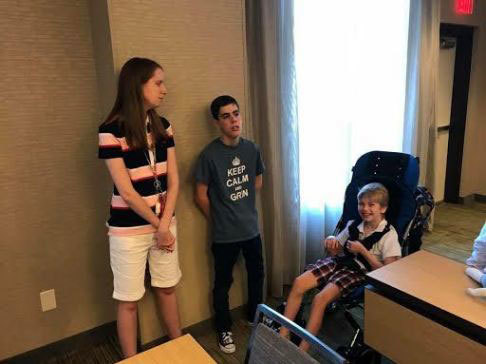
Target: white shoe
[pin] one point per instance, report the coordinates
(226, 343)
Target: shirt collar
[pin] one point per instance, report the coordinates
(381, 226)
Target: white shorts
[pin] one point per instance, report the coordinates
(128, 258)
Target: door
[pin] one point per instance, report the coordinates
(458, 112)
(447, 57)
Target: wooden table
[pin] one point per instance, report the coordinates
(417, 311)
(183, 350)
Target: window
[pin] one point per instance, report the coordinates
(351, 76)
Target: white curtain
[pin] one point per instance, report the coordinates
(420, 130)
(351, 62)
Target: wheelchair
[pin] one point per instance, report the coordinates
(409, 209)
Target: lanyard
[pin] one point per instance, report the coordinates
(151, 156)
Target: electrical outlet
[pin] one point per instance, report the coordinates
(48, 300)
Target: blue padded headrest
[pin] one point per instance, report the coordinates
(398, 172)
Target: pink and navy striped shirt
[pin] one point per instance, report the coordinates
(112, 144)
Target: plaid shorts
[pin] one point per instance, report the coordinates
(327, 271)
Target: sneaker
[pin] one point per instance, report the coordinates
(250, 323)
(226, 343)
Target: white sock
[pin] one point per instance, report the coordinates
(478, 292)
(474, 273)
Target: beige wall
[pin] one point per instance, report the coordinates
(53, 200)
(56, 86)
(473, 178)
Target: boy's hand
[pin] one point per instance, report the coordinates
(355, 247)
(332, 245)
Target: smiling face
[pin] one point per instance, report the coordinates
(229, 122)
(370, 210)
(154, 90)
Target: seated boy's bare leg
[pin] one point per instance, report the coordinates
(328, 294)
(302, 284)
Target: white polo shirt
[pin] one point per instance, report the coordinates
(388, 246)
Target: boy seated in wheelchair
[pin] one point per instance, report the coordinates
(362, 246)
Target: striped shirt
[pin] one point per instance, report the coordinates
(112, 144)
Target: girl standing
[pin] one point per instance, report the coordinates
(138, 148)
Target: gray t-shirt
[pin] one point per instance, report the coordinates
(229, 172)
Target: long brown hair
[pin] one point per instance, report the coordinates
(128, 109)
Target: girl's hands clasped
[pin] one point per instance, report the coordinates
(165, 240)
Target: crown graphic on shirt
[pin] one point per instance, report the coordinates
(236, 161)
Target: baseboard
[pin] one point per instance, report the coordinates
(79, 341)
(470, 199)
(98, 334)
(480, 198)
(466, 200)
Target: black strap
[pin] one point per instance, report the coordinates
(367, 242)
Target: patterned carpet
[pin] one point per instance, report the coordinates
(455, 228)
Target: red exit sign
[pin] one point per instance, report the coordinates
(464, 6)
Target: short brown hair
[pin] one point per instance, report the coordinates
(376, 191)
(220, 102)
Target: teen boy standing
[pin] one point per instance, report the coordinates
(228, 174)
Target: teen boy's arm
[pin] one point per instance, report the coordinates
(201, 198)
(203, 178)
(258, 182)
